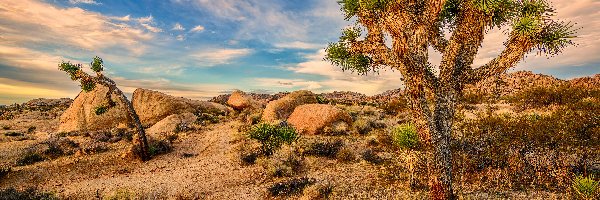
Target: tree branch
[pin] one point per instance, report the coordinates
(516, 48)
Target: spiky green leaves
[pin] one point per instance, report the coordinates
(339, 55)
(534, 22)
(555, 37)
(97, 64)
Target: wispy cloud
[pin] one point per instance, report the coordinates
(299, 45)
(219, 56)
(84, 2)
(198, 28)
(178, 27)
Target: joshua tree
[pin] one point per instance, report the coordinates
(89, 82)
(397, 34)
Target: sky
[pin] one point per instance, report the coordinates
(202, 48)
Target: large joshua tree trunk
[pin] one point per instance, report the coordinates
(441, 134)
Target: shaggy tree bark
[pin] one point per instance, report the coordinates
(413, 26)
(89, 82)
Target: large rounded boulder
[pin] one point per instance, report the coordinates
(81, 114)
(172, 123)
(282, 108)
(152, 106)
(311, 119)
(239, 100)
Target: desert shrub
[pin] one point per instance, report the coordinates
(322, 100)
(56, 147)
(184, 127)
(206, 118)
(317, 191)
(405, 136)
(363, 125)
(395, 106)
(31, 129)
(585, 187)
(345, 155)
(94, 147)
(473, 98)
(271, 137)
(336, 128)
(6, 127)
(249, 158)
(326, 148)
(157, 147)
(121, 194)
(4, 170)
(28, 158)
(289, 187)
(372, 157)
(13, 134)
(27, 194)
(284, 164)
(543, 96)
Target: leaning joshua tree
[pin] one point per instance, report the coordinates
(89, 82)
(398, 33)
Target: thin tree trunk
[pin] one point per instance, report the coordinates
(441, 131)
(140, 141)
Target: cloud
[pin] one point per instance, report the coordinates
(180, 37)
(84, 2)
(125, 18)
(219, 56)
(334, 79)
(152, 28)
(178, 27)
(34, 23)
(299, 45)
(253, 17)
(198, 28)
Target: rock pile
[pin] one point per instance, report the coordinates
(152, 106)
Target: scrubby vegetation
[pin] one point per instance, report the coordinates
(4, 170)
(585, 187)
(292, 186)
(271, 137)
(27, 194)
(405, 136)
(544, 96)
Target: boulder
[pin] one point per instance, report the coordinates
(239, 100)
(281, 109)
(313, 118)
(170, 123)
(81, 114)
(152, 106)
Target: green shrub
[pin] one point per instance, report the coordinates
(271, 137)
(322, 100)
(405, 136)
(28, 194)
(100, 110)
(290, 187)
(585, 187)
(28, 158)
